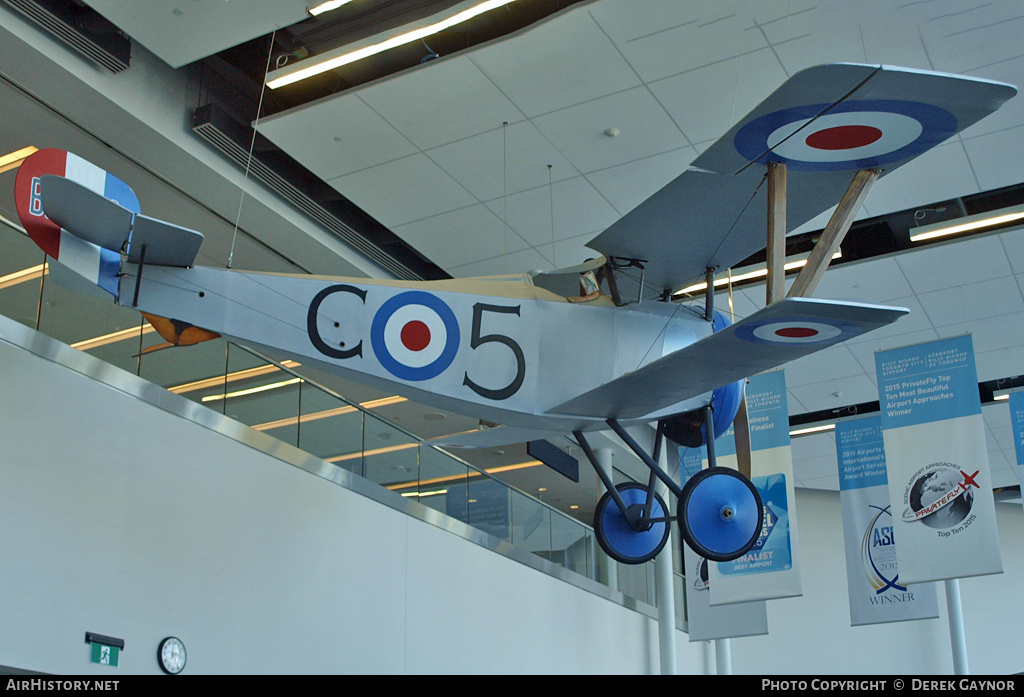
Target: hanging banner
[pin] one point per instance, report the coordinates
(876, 592)
(772, 568)
(705, 622)
(1017, 421)
(937, 461)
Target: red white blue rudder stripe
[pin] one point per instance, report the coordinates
(99, 265)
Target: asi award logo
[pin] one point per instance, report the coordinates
(878, 555)
(940, 496)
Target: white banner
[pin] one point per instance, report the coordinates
(937, 461)
(704, 621)
(772, 568)
(877, 594)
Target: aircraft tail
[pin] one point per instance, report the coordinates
(86, 218)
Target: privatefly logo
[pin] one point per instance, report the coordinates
(941, 496)
(700, 580)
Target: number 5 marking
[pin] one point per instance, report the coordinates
(476, 339)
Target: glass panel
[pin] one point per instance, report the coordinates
(21, 271)
(390, 456)
(259, 397)
(443, 483)
(488, 504)
(191, 371)
(330, 428)
(531, 525)
(637, 581)
(569, 544)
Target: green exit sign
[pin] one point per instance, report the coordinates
(105, 655)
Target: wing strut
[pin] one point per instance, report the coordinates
(834, 233)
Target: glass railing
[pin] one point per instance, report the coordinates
(274, 397)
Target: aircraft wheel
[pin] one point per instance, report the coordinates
(618, 538)
(720, 514)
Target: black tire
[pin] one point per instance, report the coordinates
(703, 523)
(617, 538)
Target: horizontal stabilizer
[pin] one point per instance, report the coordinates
(85, 213)
(94, 218)
(769, 338)
(165, 244)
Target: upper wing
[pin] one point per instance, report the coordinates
(825, 123)
(777, 334)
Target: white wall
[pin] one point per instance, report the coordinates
(120, 518)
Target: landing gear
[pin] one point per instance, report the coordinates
(629, 537)
(720, 514)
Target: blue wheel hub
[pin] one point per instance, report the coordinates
(720, 514)
(618, 538)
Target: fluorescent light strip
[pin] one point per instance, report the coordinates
(421, 494)
(335, 59)
(231, 377)
(749, 275)
(14, 159)
(812, 429)
(328, 413)
(368, 453)
(29, 274)
(971, 222)
(327, 7)
(113, 337)
(469, 474)
(252, 390)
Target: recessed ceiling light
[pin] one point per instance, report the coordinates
(322, 7)
(330, 60)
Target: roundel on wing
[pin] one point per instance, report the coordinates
(796, 331)
(848, 135)
(415, 335)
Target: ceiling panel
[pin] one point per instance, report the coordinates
(952, 265)
(404, 190)
(462, 236)
(565, 61)
(641, 126)
(337, 137)
(578, 209)
(505, 160)
(437, 106)
(183, 31)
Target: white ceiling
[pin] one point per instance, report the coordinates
(427, 154)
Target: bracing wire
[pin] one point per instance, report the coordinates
(252, 147)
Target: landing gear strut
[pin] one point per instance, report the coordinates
(719, 511)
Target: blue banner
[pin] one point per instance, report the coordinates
(937, 461)
(771, 569)
(1017, 421)
(876, 592)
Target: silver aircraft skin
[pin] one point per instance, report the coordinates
(511, 350)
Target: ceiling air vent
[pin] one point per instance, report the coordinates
(311, 196)
(81, 28)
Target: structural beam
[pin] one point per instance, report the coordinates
(833, 235)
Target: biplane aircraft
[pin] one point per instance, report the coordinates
(531, 352)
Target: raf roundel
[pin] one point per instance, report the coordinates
(795, 331)
(850, 135)
(415, 335)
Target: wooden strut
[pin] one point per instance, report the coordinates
(833, 234)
